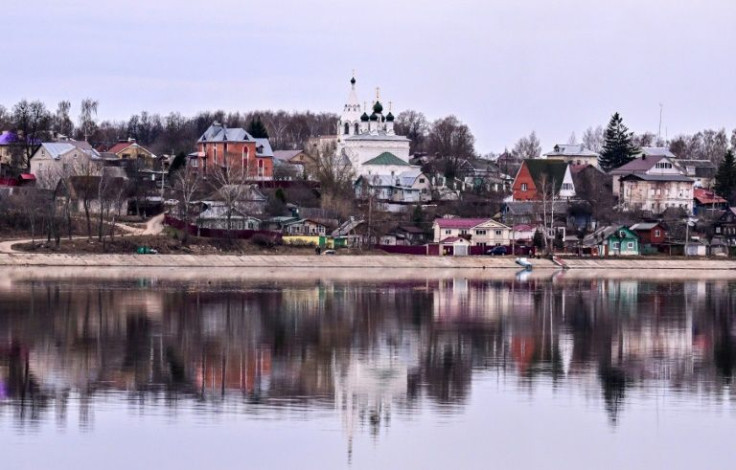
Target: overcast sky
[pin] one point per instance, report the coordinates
(503, 67)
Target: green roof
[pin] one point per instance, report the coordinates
(549, 170)
(386, 158)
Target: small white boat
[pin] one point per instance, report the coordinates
(524, 263)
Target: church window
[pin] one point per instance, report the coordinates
(357, 129)
(347, 128)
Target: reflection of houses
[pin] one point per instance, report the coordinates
(651, 234)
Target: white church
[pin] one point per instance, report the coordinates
(368, 140)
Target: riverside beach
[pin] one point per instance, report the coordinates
(359, 261)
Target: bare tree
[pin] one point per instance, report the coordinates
(527, 147)
(231, 181)
(187, 182)
(32, 120)
(87, 117)
(414, 126)
(593, 139)
(62, 123)
(335, 174)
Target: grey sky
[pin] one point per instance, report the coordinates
(503, 67)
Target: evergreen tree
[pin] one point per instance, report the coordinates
(726, 177)
(257, 129)
(618, 146)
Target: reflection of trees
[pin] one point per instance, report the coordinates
(299, 343)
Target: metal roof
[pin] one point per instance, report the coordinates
(646, 177)
(386, 158)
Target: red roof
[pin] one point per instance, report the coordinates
(460, 223)
(705, 196)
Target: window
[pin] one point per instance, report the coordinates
(357, 129)
(657, 233)
(463, 232)
(567, 186)
(498, 233)
(614, 245)
(421, 180)
(347, 128)
(630, 245)
(663, 166)
(524, 186)
(448, 232)
(718, 229)
(480, 232)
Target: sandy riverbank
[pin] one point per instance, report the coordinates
(339, 262)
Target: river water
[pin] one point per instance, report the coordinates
(422, 371)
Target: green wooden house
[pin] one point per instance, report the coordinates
(613, 240)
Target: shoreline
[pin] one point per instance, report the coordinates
(390, 262)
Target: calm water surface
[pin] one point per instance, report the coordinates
(546, 372)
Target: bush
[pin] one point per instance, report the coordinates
(263, 240)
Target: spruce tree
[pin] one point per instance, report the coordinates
(726, 177)
(618, 147)
(257, 129)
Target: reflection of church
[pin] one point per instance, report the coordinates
(369, 140)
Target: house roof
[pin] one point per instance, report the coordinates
(534, 207)
(655, 152)
(646, 177)
(643, 226)
(446, 223)
(263, 148)
(697, 168)
(704, 196)
(604, 233)
(286, 155)
(571, 150)
(218, 133)
(57, 149)
(347, 227)
(410, 229)
(453, 240)
(638, 165)
(120, 146)
(552, 170)
(386, 158)
(8, 137)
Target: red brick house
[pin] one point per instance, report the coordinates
(650, 233)
(234, 147)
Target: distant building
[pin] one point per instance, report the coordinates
(613, 241)
(227, 146)
(54, 159)
(703, 172)
(364, 133)
(574, 154)
(477, 232)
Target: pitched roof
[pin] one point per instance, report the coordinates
(120, 146)
(386, 158)
(57, 149)
(263, 148)
(644, 226)
(646, 177)
(604, 233)
(638, 165)
(286, 155)
(8, 137)
(552, 170)
(571, 150)
(655, 152)
(218, 133)
(445, 223)
(704, 196)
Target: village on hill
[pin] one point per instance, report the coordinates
(363, 179)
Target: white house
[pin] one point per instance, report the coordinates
(479, 232)
(52, 159)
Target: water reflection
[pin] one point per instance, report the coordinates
(366, 349)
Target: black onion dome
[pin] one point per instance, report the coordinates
(374, 117)
(390, 117)
(378, 107)
(364, 117)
